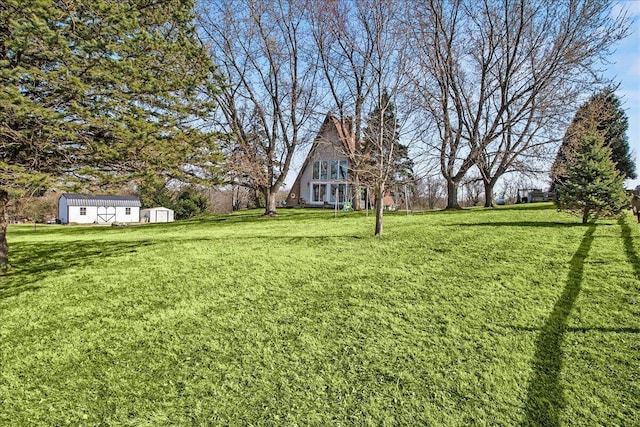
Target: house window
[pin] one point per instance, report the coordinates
(328, 170)
(83, 211)
(340, 189)
(319, 192)
(320, 169)
(127, 211)
(342, 169)
(334, 169)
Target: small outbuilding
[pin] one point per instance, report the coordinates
(98, 209)
(158, 214)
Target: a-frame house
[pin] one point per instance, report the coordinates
(324, 177)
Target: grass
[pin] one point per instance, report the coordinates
(512, 316)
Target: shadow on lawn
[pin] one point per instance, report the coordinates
(632, 257)
(585, 329)
(542, 224)
(31, 262)
(545, 399)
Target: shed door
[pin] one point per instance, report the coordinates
(162, 216)
(106, 214)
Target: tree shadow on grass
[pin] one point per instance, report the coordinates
(629, 250)
(541, 206)
(584, 329)
(32, 262)
(540, 224)
(545, 398)
(538, 206)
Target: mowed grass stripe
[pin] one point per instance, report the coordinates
(309, 320)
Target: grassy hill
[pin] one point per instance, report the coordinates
(509, 316)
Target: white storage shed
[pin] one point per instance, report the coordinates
(98, 209)
(159, 214)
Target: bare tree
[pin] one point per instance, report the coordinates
(382, 135)
(345, 34)
(385, 158)
(495, 76)
(473, 190)
(263, 48)
(509, 185)
(431, 190)
(361, 56)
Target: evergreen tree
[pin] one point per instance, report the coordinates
(383, 147)
(386, 160)
(101, 93)
(592, 185)
(190, 202)
(603, 111)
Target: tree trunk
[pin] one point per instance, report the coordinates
(452, 195)
(379, 211)
(270, 199)
(4, 248)
(585, 215)
(357, 199)
(488, 194)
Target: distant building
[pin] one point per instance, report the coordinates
(98, 209)
(533, 195)
(159, 214)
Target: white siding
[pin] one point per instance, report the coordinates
(156, 215)
(97, 209)
(89, 218)
(121, 214)
(92, 215)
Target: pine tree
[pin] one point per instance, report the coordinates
(100, 93)
(383, 146)
(592, 185)
(603, 111)
(387, 161)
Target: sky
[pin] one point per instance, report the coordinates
(625, 69)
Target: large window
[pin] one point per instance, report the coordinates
(338, 169)
(320, 169)
(334, 169)
(319, 192)
(327, 172)
(328, 192)
(337, 189)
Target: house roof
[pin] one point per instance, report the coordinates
(346, 140)
(345, 132)
(102, 200)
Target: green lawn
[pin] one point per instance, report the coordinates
(510, 316)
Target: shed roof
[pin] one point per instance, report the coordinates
(158, 208)
(102, 200)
